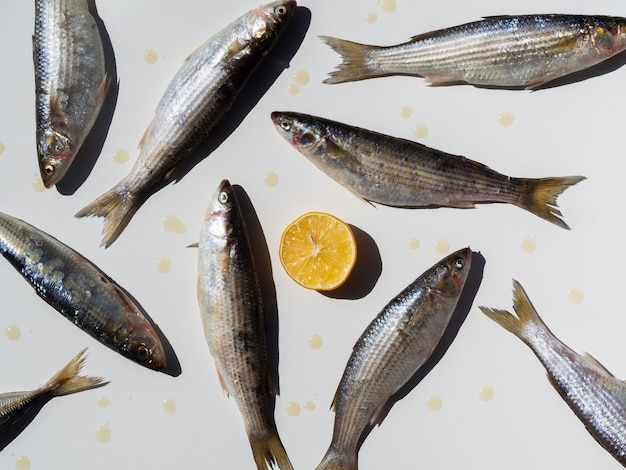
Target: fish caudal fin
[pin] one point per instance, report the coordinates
(540, 195)
(67, 380)
(116, 207)
(526, 317)
(270, 452)
(354, 66)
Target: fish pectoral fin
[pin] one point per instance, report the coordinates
(597, 364)
(56, 110)
(103, 89)
(223, 383)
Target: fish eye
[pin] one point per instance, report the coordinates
(285, 125)
(142, 353)
(49, 170)
(281, 10)
(223, 197)
(459, 263)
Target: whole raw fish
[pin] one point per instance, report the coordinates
(15, 404)
(233, 318)
(70, 82)
(81, 292)
(195, 100)
(390, 351)
(591, 391)
(396, 172)
(500, 51)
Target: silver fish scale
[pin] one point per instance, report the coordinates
(69, 61)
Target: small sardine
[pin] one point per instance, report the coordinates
(501, 51)
(70, 82)
(195, 100)
(67, 381)
(233, 318)
(390, 351)
(397, 172)
(591, 391)
(81, 292)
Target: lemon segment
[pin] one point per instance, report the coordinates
(318, 251)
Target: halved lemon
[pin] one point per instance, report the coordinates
(318, 251)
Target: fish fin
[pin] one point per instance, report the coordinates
(145, 135)
(441, 80)
(223, 382)
(67, 380)
(103, 89)
(353, 55)
(193, 245)
(56, 110)
(379, 414)
(116, 208)
(526, 314)
(270, 452)
(597, 364)
(539, 196)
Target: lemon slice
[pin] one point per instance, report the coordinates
(318, 251)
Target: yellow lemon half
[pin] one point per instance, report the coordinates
(318, 251)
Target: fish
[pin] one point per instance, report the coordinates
(233, 318)
(81, 292)
(194, 102)
(593, 393)
(526, 51)
(71, 82)
(15, 405)
(396, 172)
(392, 348)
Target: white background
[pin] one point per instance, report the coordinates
(574, 129)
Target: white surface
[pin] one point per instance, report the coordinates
(573, 129)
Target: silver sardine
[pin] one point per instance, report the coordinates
(390, 351)
(501, 51)
(70, 82)
(195, 100)
(401, 173)
(591, 391)
(233, 317)
(81, 292)
(14, 405)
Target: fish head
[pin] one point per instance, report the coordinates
(301, 132)
(55, 151)
(267, 21)
(219, 220)
(451, 273)
(608, 35)
(141, 343)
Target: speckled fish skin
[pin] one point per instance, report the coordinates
(390, 351)
(233, 318)
(194, 102)
(14, 405)
(596, 397)
(81, 292)
(70, 82)
(401, 173)
(525, 51)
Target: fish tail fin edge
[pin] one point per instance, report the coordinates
(116, 208)
(526, 314)
(270, 452)
(67, 380)
(354, 65)
(542, 195)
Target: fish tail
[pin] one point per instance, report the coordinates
(116, 207)
(526, 316)
(540, 197)
(338, 461)
(67, 380)
(270, 451)
(354, 66)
